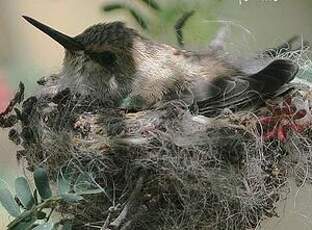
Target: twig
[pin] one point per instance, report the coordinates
(130, 204)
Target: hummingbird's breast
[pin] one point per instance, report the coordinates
(164, 71)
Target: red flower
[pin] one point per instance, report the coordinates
(283, 118)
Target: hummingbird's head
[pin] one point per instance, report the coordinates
(98, 60)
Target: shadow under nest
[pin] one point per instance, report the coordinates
(163, 168)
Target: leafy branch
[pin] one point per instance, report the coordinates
(174, 14)
(32, 211)
(140, 19)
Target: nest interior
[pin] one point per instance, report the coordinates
(167, 168)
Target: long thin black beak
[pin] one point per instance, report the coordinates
(67, 42)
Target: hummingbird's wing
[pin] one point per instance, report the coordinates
(237, 92)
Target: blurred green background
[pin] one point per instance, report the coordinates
(26, 54)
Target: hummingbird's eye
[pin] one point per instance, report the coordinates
(106, 58)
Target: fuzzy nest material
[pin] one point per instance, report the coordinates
(166, 168)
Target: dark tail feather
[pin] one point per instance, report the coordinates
(276, 74)
(239, 92)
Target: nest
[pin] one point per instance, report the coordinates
(166, 168)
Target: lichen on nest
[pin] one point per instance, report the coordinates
(167, 168)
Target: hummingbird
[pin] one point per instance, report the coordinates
(114, 63)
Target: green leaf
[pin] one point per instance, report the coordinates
(67, 225)
(110, 7)
(23, 192)
(63, 185)
(42, 183)
(139, 18)
(179, 26)
(152, 3)
(25, 223)
(9, 203)
(71, 197)
(46, 226)
(35, 195)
